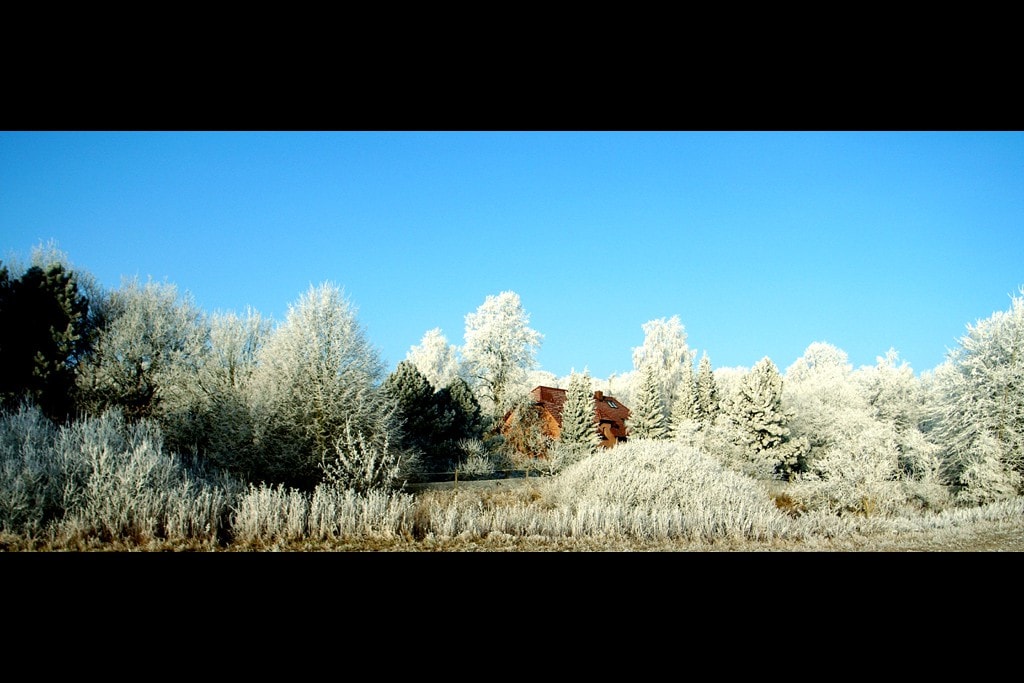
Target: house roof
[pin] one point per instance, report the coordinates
(608, 408)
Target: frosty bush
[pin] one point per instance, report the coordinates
(564, 455)
(29, 480)
(863, 479)
(120, 483)
(270, 514)
(362, 464)
(476, 459)
(656, 478)
(101, 478)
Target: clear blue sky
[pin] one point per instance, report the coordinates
(761, 242)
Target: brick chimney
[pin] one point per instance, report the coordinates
(598, 395)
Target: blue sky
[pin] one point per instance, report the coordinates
(761, 242)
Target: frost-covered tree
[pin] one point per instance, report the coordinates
(895, 397)
(831, 413)
(708, 402)
(579, 430)
(647, 417)
(317, 391)
(436, 359)
(210, 415)
(979, 400)
(148, 347)
(761, 424)
(826, 405)
(683, 413)
(500, 348)
(545, 378)
(665, 350)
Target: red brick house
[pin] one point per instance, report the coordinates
(609, 414)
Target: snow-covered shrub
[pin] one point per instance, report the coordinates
(862, 476)
(474, 458)
(665, 482)
(118, 482)
(29, 480)
(363, 463)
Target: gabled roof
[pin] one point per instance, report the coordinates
(552, 399)
(607, 408)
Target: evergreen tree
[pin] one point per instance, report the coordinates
(579, 430)
(469, 421)
(44, 333)
(417, 410)
(647, 419)
(761, 423)
(707, 393)
(684, 406)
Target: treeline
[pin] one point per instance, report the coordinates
(288, 404)
(307, 401)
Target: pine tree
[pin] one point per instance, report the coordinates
(578, 415)
(43, 319)
(470, 422)
(647, 419)
(761, 423)
(417, 407)
(707, 393)
(684, 406)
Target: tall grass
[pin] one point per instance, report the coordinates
(271, 516)
(104, 482)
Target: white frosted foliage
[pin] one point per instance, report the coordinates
(578, 417)
(436, 359)
(499, 349)
(667, 353)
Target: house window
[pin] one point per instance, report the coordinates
(611, 404)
